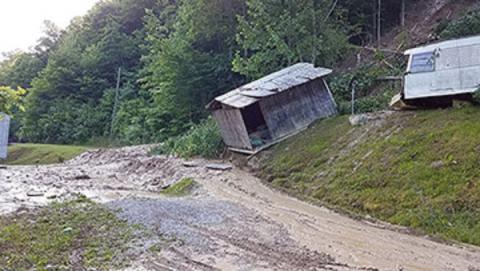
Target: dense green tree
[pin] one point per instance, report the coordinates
(11, 100)
(174, 57)
(48, 42)
(275, 34)
(193, 64)
(19, 69)
(82, 68)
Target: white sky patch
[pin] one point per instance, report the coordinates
(21, 21)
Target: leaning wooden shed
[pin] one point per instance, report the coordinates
(273, 107)
(4, 129)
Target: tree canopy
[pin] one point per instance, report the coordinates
(174, 57)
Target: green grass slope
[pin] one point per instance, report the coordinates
(39, 154)
(63, 236)
(417, 169)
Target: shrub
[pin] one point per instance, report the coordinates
(179, 189)
(203, 140)
(366, 104)
(476, 96)
(464, 26)
(364, 77)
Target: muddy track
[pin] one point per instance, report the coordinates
(231, 222)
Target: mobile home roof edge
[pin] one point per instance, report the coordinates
(444, 45)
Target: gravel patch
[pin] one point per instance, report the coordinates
(217, 230)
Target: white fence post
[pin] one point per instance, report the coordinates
(4, 130)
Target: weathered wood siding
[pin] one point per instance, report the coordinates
(4, 128)
(296, 108)
(232, 127)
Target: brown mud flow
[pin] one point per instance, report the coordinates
(229, 222)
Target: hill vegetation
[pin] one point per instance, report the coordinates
(171, 57)
(416, 169)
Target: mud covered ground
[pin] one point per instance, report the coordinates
(230, 222)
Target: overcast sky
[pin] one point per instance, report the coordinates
(21, 21)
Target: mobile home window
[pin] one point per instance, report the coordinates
(424, 62)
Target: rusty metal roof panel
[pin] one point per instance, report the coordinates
(272, 84)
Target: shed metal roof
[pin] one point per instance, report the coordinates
(444, 45)
(272, 84)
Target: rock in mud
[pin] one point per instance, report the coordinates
(438, 164)
(53, 196)
(82, 177)
(363, 119)
(219, 167)
(358, 120)
(191, 164)
(35, 194)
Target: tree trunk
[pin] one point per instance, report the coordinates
(314, 29)
(115, 103)
(379, 23)
(402, 14)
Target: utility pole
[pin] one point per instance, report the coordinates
(115, 103)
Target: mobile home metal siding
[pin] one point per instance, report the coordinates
(457, 69)
(4, 129)
(232, 127)
(297, 108)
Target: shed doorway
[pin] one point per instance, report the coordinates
(256, 125)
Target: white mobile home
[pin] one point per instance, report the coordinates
(443, 69)
(4, 129)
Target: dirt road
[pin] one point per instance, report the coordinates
(231, 222)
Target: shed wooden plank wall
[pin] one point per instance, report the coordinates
(296, 108)
(232, 127)
(4, 128)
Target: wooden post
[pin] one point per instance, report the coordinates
(353, 97)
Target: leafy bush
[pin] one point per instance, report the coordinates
(464, 26)
(180, 189)
(203, 140)
(366, 104)
(476, 96)
(365, 78)
(366, 100)
(63, 122)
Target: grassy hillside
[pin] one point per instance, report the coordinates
(38, 154)
(418, 169)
